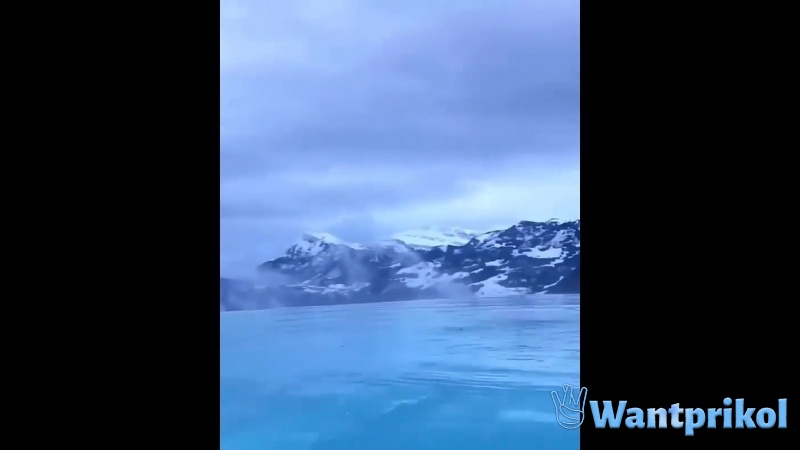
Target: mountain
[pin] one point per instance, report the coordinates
(232, 294)
(321, 269)
(427, 238)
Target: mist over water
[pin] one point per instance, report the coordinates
(430, 374)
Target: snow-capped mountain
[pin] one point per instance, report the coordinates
(427, 238)
(527, 258)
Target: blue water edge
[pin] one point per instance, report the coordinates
(419, 375)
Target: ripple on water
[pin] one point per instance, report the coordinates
(425, 375)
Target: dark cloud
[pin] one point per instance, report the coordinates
(375, 112)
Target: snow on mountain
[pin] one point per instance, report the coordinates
(312, 243)
(435, 237)
(527, 258)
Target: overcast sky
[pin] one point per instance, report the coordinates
(366, 117)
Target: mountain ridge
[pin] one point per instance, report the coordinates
(321, 269)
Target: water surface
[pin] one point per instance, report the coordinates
(430, 374)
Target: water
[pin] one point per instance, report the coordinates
(432, 374)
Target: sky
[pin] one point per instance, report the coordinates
(367, 117)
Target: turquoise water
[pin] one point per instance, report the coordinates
(431, 374)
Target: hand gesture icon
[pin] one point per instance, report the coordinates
(569, 410)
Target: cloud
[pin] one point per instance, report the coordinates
(399, 115)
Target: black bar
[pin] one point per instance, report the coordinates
(686, 297)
